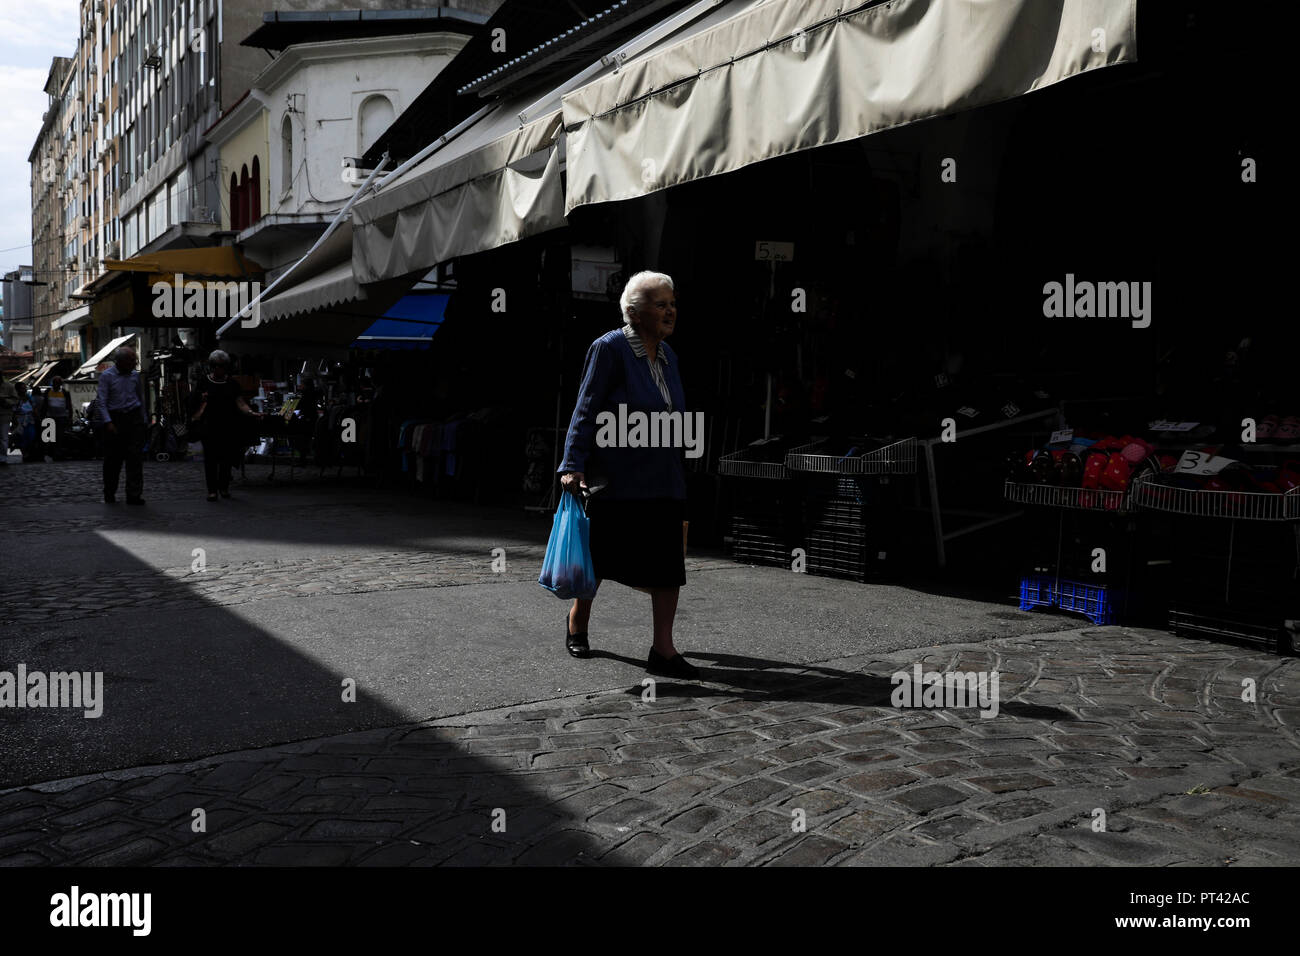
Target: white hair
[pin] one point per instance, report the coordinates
(634, 293)
(218, 358)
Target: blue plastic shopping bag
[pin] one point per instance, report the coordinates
(566, 570)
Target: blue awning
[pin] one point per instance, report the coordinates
(410, 324)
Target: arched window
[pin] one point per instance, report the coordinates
(234, 203)
(255, 193)
(286, 156)
(245, 207)
(375, 116)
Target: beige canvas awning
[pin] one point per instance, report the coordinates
(497, 183)
(332, 287)
(781, 76)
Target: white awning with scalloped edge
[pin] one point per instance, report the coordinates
(780, 76)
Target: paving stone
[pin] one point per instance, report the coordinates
(812, 850)
(863, 758)
(794, 728)
(940, 748)
(744, 767)
(901, 850)
(946, 828)
(1115, 846)
(816, 803)
(627, 813)
(1008, 782)
(231, 775)
(928, 798)
(79, 841)
(568, 758)
(804, 772)
(728, 741)
(628, 768)
(555, 779)
(869, 739)
(694, 820)
(298, 854)
(353, 830)
(395, 854)
(584, 802)
(753, 792)
(272, 787)
(237, 842)
(942, 768)
(707, 853)
(863, 826)
(1006, 811)
(20, 815)
(694, 761)
(648, 750)
(582, 740)
(97, 789)
(140, 851)
(636, 850)
(756, 829)
(682, 788)
(879, 780)
(565, 848)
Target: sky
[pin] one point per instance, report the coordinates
(31, 32)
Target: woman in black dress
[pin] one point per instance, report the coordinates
(637, 507)
(216, 405)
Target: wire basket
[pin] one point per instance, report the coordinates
(1057, 496)
(747, 464)
(898, 458)
(1158, 493)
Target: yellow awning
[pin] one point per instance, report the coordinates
(209, 262)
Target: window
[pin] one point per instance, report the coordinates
(286, 157)
(234, 204)
(245, 205)
(375, 116)
(255, 193)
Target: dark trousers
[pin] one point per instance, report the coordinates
(221, 453)
(127, 444)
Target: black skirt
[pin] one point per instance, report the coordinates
(638, 541)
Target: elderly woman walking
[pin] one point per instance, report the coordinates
(637, 495)
(215, 407)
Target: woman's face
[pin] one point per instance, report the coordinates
(658, 314)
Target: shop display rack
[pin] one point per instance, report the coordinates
(1158, 493)
(753, 462)
(896, 458)
(850, 512)
(1061, 575)
(1238, 561)
(764, 522)
(1060, 496)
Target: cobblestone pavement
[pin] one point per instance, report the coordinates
(29, 490)
(1113, 746)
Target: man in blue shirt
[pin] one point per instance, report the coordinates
(122, 414)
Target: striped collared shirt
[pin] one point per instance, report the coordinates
(656, 367)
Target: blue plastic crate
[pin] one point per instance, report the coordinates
(1096, 602)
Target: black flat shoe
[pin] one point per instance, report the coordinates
(678, 667)
(576, 643)
(135, 501)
